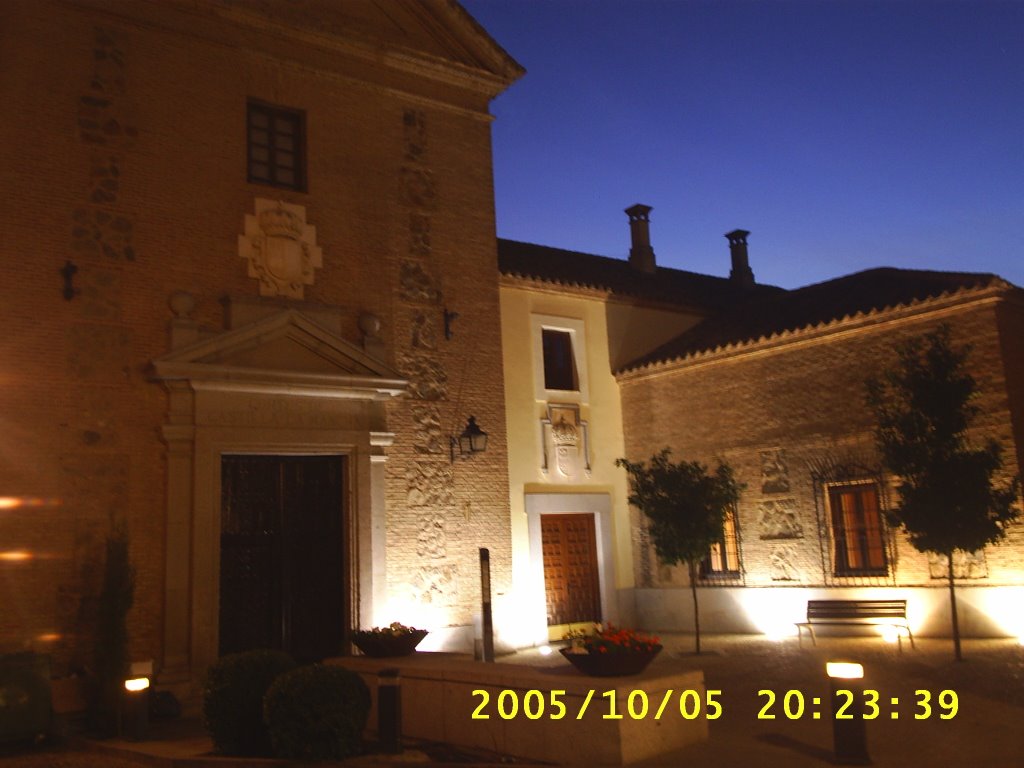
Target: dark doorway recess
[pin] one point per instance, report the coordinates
(570, 568)
(282, 555)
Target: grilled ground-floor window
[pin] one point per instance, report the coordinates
(723, 558)
(857, 532)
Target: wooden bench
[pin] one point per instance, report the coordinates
(892, 613)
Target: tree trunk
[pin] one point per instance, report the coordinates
(952, 609)
(696, 612)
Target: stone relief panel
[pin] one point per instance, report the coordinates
(966, 565)
(105, 123)
(427, 377)
(419, 188)
(97, 232)
(783, 563)
(104, 114)
(427, 432)
(774, 471)
(565, 438)
(430, 542)
(280, 247)
(778, 519)
(419, 234)
(414, 123)
(436, 584)
(416, 285)
(430, 484)
(424, 331)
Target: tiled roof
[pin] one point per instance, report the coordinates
(571, 268)
(859, 293)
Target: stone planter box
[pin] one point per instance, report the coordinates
(453, 699)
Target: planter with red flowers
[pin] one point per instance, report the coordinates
(610, 651)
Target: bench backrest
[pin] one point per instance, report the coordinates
(856, 609)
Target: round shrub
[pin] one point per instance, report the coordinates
(317, 713)
(233, 700)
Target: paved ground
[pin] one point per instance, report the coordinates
(987, 730)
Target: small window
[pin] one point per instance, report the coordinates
(723, 560)
(858, 540)
(559, 361)
(277, 151)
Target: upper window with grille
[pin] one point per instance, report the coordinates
(857, 533)
(277, 153)
(559, 360)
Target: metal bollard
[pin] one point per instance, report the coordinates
(389, 710)
(849, 734)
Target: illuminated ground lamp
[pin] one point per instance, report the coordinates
(849, 734)
(135, 706)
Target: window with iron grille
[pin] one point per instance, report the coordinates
(276, 141)
(858, 540)
(723, 559)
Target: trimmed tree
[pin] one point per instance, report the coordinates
(923, 407)
(686, 507)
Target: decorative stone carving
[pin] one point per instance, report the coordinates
(414, 123)
(100, 232)
(429, 484)
(436, 584)
(774, 471)
(418, 187)
(419, 234)
(427, 377)
(427, 434)
(280, 247)
(778, 519)
(565, 436)
(430, 542)
(424, 334)
(104, 113)
(783, 563)
(416, 284)
(966, 565)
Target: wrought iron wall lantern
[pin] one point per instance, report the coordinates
(472, 440)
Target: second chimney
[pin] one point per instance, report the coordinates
(641, 254)
(741, 273)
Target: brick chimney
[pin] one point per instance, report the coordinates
(641, 255)
(741, 274)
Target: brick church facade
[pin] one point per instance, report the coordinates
(253, 296)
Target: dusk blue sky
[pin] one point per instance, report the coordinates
(843, 135)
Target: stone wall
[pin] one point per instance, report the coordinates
(126, 176)
(790, 416)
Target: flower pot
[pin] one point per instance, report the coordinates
(611, 664)
(384, 644)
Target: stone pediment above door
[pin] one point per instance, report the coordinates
(285, 353)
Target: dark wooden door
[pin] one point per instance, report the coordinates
(570, 568)
(282, 574)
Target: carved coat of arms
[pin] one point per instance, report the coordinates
(280, 247)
